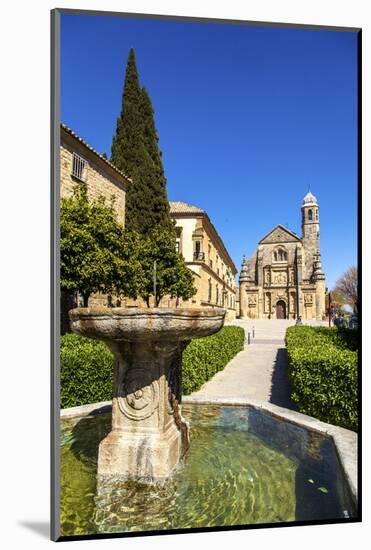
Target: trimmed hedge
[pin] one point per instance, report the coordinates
(87, 365)
(86, 371)
(323, 372)
(206, 356)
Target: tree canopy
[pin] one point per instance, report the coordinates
(135, 152)
(337, 301)
(173, 277)
(347, 287)
(96, 254)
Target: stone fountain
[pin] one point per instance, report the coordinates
(149, 434)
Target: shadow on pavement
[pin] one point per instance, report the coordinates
(280, 390)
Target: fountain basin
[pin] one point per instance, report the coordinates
(149, 434)
(144, 324)
(249, 463)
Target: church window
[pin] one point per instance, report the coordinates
(316, 211)
(210, 290)
(217, 294)
(310, 215)
(280, 255)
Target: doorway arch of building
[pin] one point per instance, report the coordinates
(281, 310)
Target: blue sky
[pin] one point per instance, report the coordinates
(248, 118)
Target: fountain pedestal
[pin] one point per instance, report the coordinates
(148, 435)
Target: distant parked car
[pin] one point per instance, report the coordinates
(353, 323)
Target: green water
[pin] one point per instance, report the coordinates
(230, 476)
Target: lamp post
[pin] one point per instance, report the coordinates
(154, 282)
(329, 309)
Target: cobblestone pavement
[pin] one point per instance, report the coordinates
(260, 370)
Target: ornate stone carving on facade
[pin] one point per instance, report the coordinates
(267, 302)
(293, 304)
(280, 234)
(308, 299)
(280, 278)
(252, 300)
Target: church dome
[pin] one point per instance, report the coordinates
(309, 199)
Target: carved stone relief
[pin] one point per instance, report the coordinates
(279, 235)
(280, 278)
(252, 300)
(267, 302)
(293, 302)
(140, 394)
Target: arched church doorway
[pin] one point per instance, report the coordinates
(281, 310)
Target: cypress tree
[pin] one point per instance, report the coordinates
(135, 151)
(160, 203)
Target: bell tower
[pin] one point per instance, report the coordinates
(311, 243)
(310, 220)
(310, 233)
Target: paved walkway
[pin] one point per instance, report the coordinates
(260, 370)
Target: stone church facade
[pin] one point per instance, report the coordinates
(284, 278)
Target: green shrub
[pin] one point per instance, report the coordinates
(206, 356)
(87, 365)
(86, 371)
(323, 371)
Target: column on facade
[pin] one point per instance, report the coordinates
(260, 305)
(319, 278)
(243, 280)
(299, 279)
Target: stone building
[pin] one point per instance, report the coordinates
(80, 163)
(197, 238)
(284, 278)
(205, 254)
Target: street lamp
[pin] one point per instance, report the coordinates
(329, 309)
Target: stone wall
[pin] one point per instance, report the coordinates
(101, 179)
